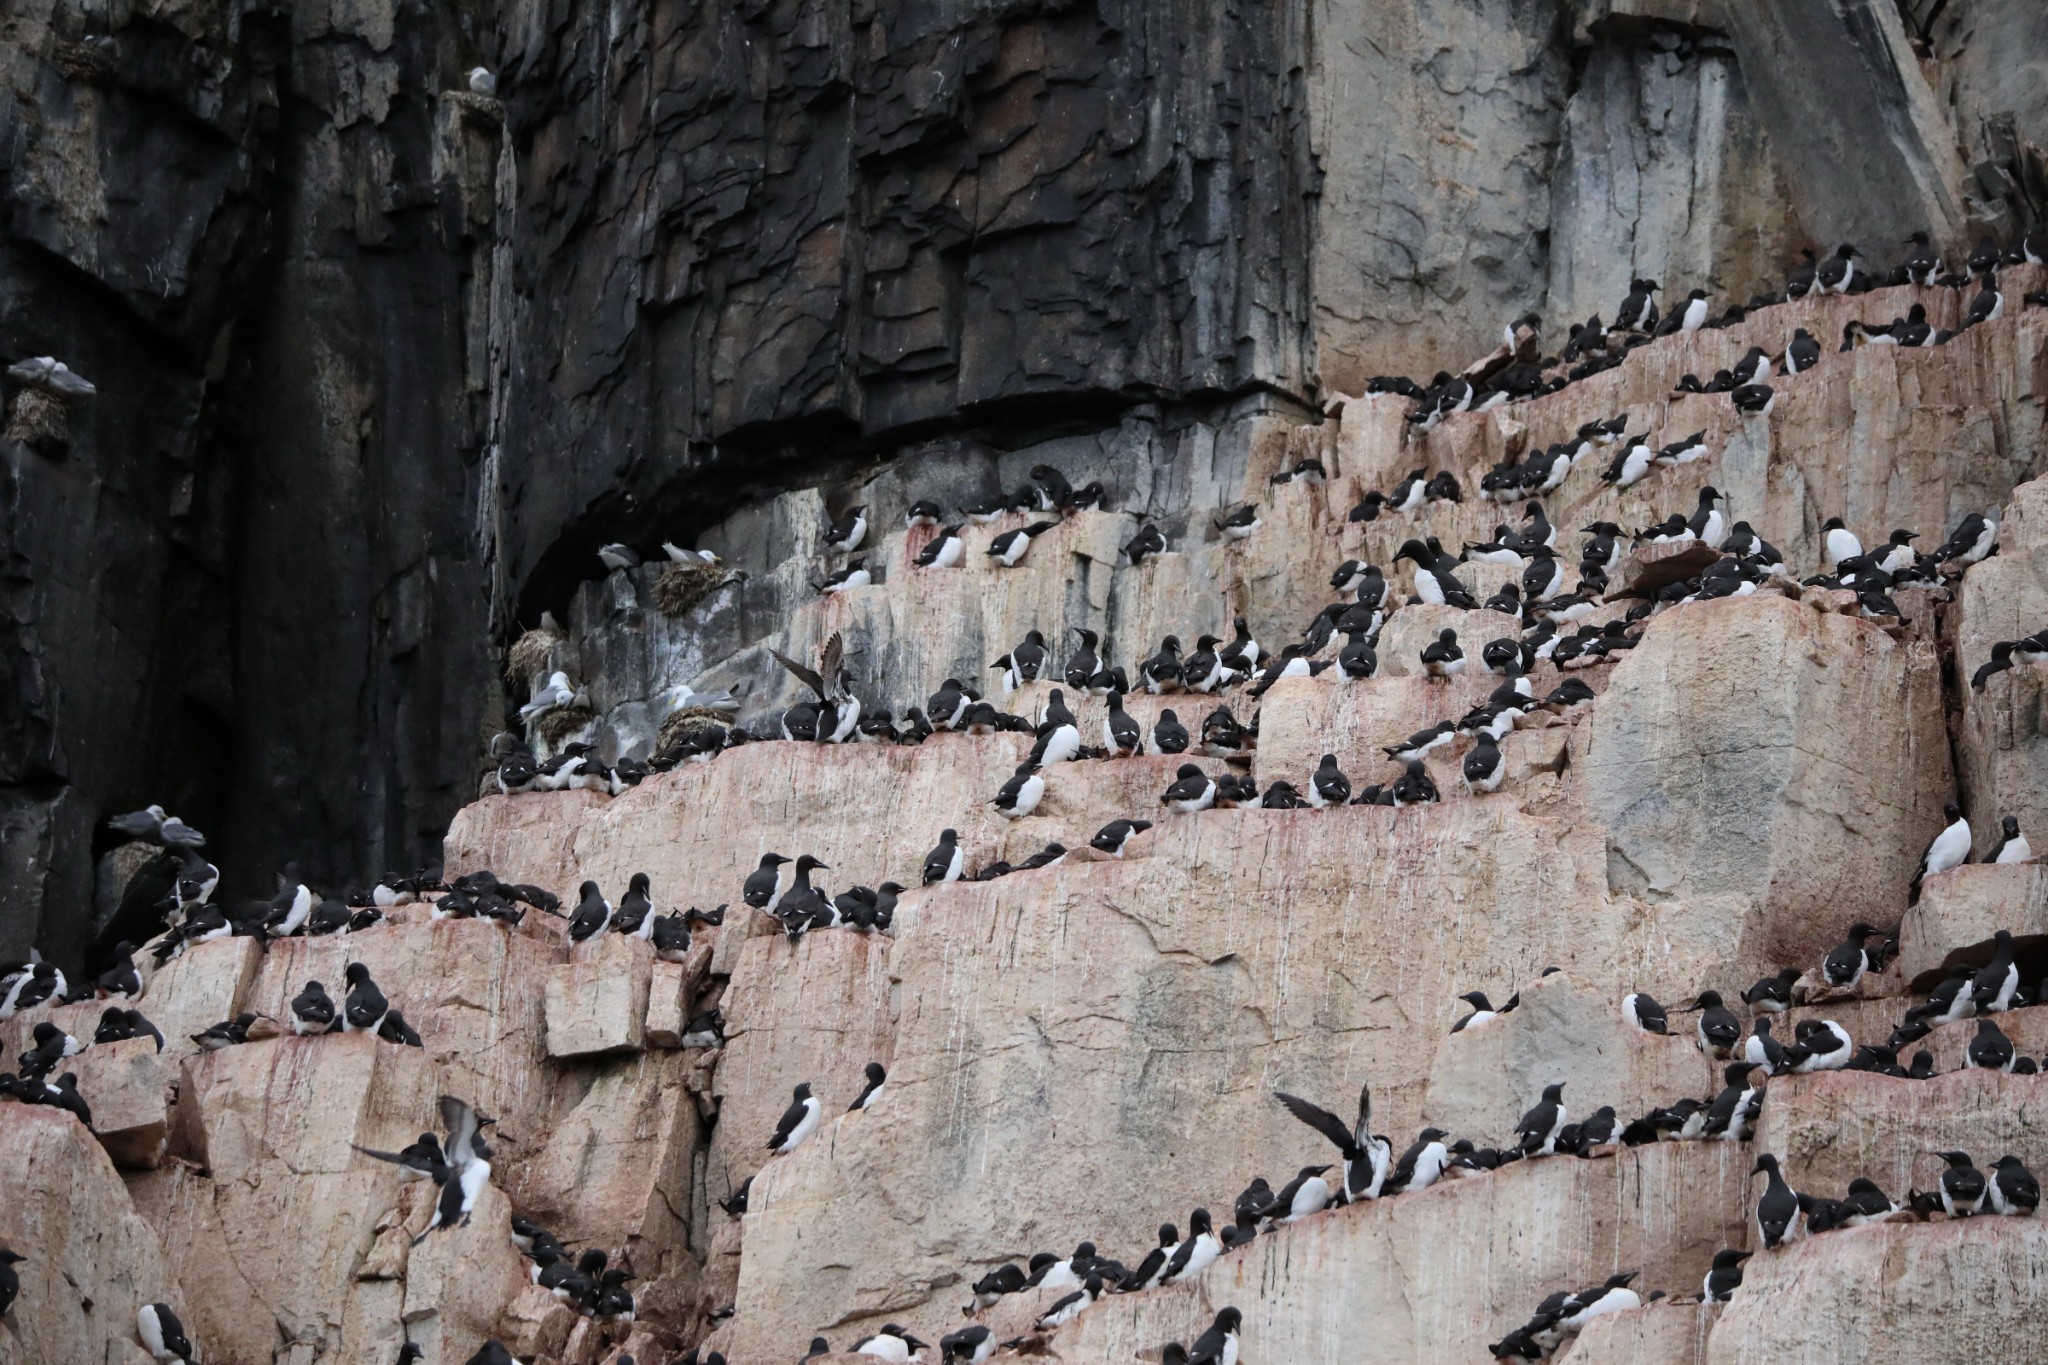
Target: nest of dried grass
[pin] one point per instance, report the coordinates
(529, 654)
(682, 586)
(41, 421)
(684, 722)
(557, 725)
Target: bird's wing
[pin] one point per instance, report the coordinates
(1322, 1120)
(396, 1158)
(459, 1119)
(833, 659)
(1362, 1134)
(804, 675)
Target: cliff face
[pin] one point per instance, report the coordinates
(382, 362)
(1088, 1049)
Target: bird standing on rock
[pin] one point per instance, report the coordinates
(798, 1121)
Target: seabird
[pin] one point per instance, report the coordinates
(1197, 1253)
(1991, 1050)
(1020, 795)
(593, 914)
(1483, 766)
(798, 1121)
(1835, 274)
(1218, 1345)
(312, 1010)
(1328, 786)
(944, 550)
(1192, 790)
(163, 1336)
(763, 885)
(1641, 1012)
(2011, 1190)
(1962, 1186)
(1725, 1277)
(1948, 849)
(1009, 548)
(872, 1091)
(1114, 837)
(53, 375)
(1718, 1030)
(892, 1343)
(833, 686)
(1168, 735)
(1993, 988)
(968, 1346)
(468, 1169)
(1414, 787)
(1367, 1158)
(1536, 1133)
(1988, 305)
(846, 534)
(1777, 1210)
(1162, 672)
(1763, 1049)
(1483, 1010)
(364, 1007)
(1973, 540)
(557, 692)
(1754, 400)
(944, 863)
(1149, 540)
(1846, 962)
(1120, 733)
(2012, 845)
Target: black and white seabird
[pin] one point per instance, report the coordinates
(1192, 790)
(2011, 1190)
(1482, 1010)
(1328, 786)
(1777, 1209)
(163, 1336)
(1368, 1159)
(798, 1121)
(1020, 796)
(593, 914)
(945, 863)
(1644, 1014)
(1950, 848)
(1991, 1050)
(313, 1010)
(1121, 734)
(848, 532)
(1763, 1049)
(1536, 1133)
(1754, 400)
(364, 1008)
(1989, 303)
(2012, 846)
(1993, 988)
(1835, 274)
(1973, 540)
(1168, 735)
(1718, 1030)
(1219, 1344)
(1149, 540)
(1114, 837)
(468, 1168)
(944, 551)
(1484, 767)
(968, 1346)
(764, 884)
(1847, 961)
(872, 1091)
(52, 1045)
(1162, 672)
(1238, 523)
(1725, 1277)
(838, 707)
(892, 1343)
(1197, 1253)
(1059, 734)
(1962, 1186)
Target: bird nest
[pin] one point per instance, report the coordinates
(41, 421)
(529, 654)
(557, 725)
(686, 721)
(683, 586)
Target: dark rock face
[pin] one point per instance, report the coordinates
(382, 362)
(245, 587)
(794, 228)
